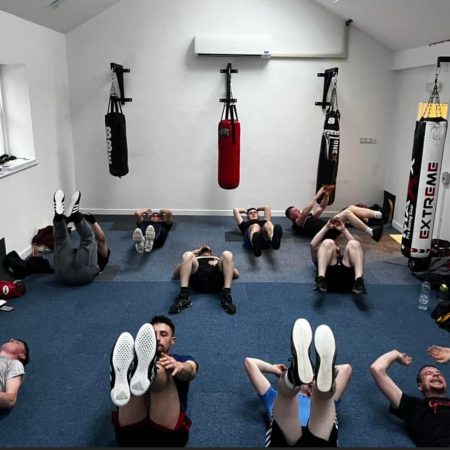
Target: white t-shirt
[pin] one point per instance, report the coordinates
(9, 368)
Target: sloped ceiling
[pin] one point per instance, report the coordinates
(397, 24)
(65, 17)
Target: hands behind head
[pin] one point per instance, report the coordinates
(202, 249)
(336, 223)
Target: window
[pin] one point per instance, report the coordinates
(16, 132)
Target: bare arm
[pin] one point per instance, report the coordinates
(439, 354)
(236, 273)
(186, 370)
(318, 238)
(166, 215)
(102, 244)
(237, 215)
(318, 208)
(255, 369)
(267, 212)
(385, 383)
(140, 214)
(9, 397)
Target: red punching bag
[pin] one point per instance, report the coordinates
(229, 140)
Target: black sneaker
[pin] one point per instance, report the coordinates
(182, 302)
(145, 371)
(226, 302)
(377, 232)
(359, 287)
(276, 238)
(256, 244)
(58, 202)
(121, 368)
(74, 205)
(301, 371)
(325, 358)
(321, 284)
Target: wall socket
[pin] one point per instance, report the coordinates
(367, 140)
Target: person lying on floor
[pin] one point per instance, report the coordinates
(427, 419)
(14, 355)
(152, 229)
(207, 273)
(77, 266)
(258, 233)
(337, 272)
(326, 386)
(150, 386)
(256, 370)
(307, 222)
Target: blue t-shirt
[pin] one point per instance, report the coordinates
(183, 385)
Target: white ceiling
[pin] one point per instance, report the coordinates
(398, 24)
(69, 15)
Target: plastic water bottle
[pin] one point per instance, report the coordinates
(424, 297)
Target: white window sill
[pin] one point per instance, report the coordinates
(16, 165)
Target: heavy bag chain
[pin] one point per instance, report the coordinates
(434, 98)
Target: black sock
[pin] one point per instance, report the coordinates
(226, 290)
(58, 217)
(184, 291)
(90, 218)
(76, 217)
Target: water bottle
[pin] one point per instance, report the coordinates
(424, 297)
(443, 292)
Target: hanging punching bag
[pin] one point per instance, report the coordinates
(423, 185)
(229, 138)
(329, 148)
(229, 150)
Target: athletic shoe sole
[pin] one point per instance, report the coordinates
(58, 202)
(325, 351)
(122, 357)
(138, 239)
(300, 343)
(145, 348)
(149, 238)
(74, 205)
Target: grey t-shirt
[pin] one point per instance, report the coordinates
(9, 368)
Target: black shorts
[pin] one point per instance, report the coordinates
(147, 433)
(340, 278)
(275, 438)
(208, 278)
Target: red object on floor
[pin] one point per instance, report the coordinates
(11, 289)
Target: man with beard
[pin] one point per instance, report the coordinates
(427, 419)
(150, 386)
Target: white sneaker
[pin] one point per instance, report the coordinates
(149, 238)
(138, 239)
(58, 202)
(121, 361)
(74, 205)
(145, 371)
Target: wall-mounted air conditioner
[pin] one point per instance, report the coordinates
(233, 45)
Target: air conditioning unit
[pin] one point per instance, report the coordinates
(233, 45)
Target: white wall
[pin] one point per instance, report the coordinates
(26, 197)
(410, 89)
(172, 120)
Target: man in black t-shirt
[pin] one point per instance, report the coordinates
(206, 273)
(337, 271)
(258, 233)
(427, 419)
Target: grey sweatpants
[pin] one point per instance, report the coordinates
(75, 266)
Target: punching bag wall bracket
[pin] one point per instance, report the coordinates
(328, 75)
(117, 87)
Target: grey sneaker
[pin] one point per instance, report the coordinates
(149, 238)
(138, 239)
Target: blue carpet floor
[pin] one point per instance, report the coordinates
(65, 401)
